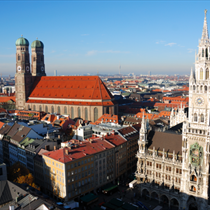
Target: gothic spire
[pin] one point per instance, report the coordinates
(143, 124)
(205, 35)
(192, 78)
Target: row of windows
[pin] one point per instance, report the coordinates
(196, 117)
(65, 111)
(202, 75)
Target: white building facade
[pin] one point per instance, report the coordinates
(178, 174)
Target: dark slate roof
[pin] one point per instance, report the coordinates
(35, 145)
(9, 191)
(5, 129)
(177, 129)
(168, 141)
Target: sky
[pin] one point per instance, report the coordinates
(97, 37)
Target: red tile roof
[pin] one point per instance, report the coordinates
(108, 118)
(115, 139)
(71, 87)
(7, 98)
(85, 148)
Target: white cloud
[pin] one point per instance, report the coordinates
(7, 56)
(159, 42)
(93, 52)
(170, 44)
(53, 51)
(190, 50)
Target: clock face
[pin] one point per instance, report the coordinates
(27, 68)
(19, 68)
(42, 68)
(199, 101)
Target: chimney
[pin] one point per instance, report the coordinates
(66, 151)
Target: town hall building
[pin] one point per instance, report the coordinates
(173, 168)
(76, 96)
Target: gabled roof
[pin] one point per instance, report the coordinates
(69, 87)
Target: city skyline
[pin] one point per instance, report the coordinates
(98, 37)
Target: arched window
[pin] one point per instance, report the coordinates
(18, 57)
(59, 110)
(195, 117)
(207, 73)
(202, 52)
(79, 113)
(201, 73)
(52, 109)
(86, 114)
(46, 109)
(201, 88)
(40, 108)
(29, 108)
(107, 110)
(65, 110)
(205, 88)
(206, 52)
(72, 112)
(95, 114)
(34, 108)
(202, 118)
(194, 87)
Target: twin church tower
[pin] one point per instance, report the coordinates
(26, 73)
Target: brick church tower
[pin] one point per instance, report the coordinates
(23, 78)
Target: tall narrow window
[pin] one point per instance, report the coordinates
(72, 112)
(86, 114)
(46, 109)
(107, 110)
(34, 108)
(40, 108)
(202, 52)
(201, 73)
(206, 52)
(65, 110)
(52, 109)
(79, 113)
(195, 117)
(202, 118)
(18, 57)
(29, 108)
(59, 110)
(207, 73)
(95, 114)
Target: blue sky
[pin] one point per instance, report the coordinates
(98, 36)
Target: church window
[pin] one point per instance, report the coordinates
(193, 87)
(72, 112)
(195, 117)
(201, 88)
(95, 114)
(202, 118)
(18, 57)
(59, 110)
(206, 52)
(34, 59)
(79, 112)
(34, 108)
(65, 110)
(46, 109)
(202, 52)
(207, 73)
(52, 109)
(205, 88)
(86, 114)
(107, 110)
(40, 108)
(201, 73)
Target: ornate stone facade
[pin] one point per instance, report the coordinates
(176, 171)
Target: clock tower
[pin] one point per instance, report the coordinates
(23, 79)
(196, 130)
